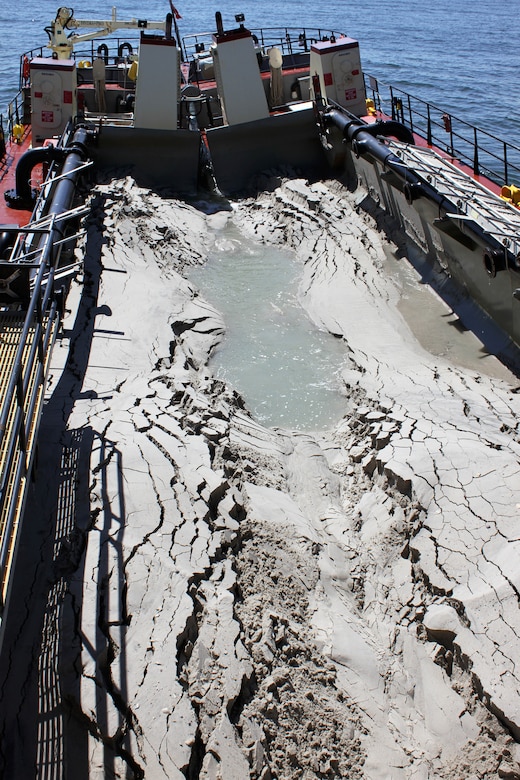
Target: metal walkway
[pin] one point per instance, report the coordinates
(494, 215)
(23, 366)
(29, 318)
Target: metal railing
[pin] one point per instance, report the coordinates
(115, 51)
(483, 152)
(118, 52)
(291, 41)
(30, 312)
(32, 292)
(34, 328)
(14, 116)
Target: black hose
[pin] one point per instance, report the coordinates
(103, 52)
(75, 155)
(62, 197)
(125, 47)
(388, 127)
(364, 144)
(23, 197)
(64, 189)
(6, 244)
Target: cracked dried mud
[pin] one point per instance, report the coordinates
(204, 597)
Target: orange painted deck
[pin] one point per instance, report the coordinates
(8, 163)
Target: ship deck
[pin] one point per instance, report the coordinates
(28, 330)
(26, 339)
(8, 163)
(23, 365)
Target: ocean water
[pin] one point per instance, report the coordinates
(461, 55)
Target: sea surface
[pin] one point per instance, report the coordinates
(460, 55)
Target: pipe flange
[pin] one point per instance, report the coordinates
(494, 261)
(20, 202)
(412, 191)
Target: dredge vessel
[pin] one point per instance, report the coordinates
(216, 110)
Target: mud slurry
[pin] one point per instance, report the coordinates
(232, 601)
(308, 726)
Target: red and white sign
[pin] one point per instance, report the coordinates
(350, 94)
(47, 116)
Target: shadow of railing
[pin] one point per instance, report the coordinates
(44, 732)
(59, 646)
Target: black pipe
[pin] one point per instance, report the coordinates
(6, 244)
(103, 52)
(168, 27)
(364, 144)
(125, 47)
(388, 127)
(65, 189)
(60, 198)
(23, 197)
(74, 154)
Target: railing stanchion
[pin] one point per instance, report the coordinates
(20, 399)
(410, 116)
(479, 150)
(476, 167)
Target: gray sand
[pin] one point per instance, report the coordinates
(211, 598)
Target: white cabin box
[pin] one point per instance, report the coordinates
(238, 78)
(53, 97)
(338, 66)
(157, 90)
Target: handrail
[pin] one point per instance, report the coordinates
(21, 402)
(14, 116)
(31, 319)
(482, 151)
(119, 50)
(290, 40)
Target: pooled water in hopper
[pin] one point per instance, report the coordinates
(286, 369)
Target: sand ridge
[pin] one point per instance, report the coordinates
(213, 598)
